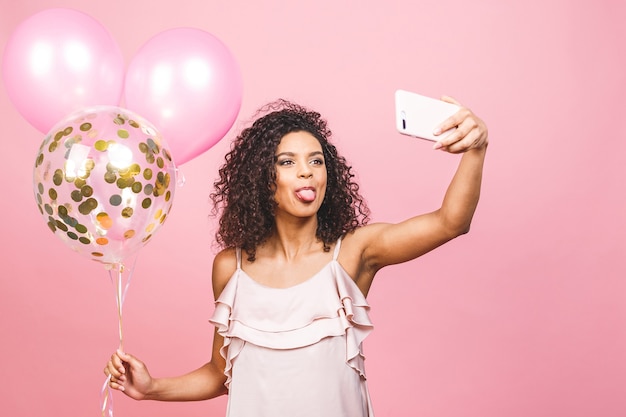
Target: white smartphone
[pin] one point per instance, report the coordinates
(418, 115)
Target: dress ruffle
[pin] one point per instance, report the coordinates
(293, 317)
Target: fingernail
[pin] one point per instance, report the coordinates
(437, 145)
(437, 131)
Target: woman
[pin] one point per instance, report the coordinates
(298, 261)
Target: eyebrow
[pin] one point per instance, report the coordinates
(314, 153)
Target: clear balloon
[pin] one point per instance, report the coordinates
(187, 82)
(104, 181)
(58, 61)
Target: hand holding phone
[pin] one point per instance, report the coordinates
(419, 116)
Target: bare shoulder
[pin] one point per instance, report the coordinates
(224, 266)
(358, 241)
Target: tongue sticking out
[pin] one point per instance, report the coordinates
(306, 195)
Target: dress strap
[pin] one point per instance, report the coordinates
(337, 246)
(238, 254)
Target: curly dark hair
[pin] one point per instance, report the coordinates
(244, 191)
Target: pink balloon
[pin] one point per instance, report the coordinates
(104, 182)
(58, 61)
(187, 82)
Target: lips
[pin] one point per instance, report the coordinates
(306, 194)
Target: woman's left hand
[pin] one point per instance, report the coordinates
(471, 131)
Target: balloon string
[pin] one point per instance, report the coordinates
(121, 289)
(106, 395)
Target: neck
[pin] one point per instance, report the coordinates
(293, 238)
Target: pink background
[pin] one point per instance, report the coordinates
(525, 316)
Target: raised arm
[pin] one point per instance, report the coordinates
(384, 244)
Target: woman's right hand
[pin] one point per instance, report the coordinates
(129, 375)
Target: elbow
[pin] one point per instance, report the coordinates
(457, 223)
(222, 391)
(458, 229)
(217, 391)
(459, 232)
(465, 230)
(451, 225)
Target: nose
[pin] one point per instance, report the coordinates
(305, 171)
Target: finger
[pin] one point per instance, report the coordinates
(461, 140)
(110, 368)
(461, 146)
(112, 371)
(123, 355)
(469, 141)
(129, 360)
(449, 139)
(116, 386)
(453, 121)
(117, 363)
(118, 380)
(452, 100)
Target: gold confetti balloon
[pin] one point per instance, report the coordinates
(104, 181)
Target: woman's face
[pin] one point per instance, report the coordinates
(300, 175)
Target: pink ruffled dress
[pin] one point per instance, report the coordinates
(297, 351)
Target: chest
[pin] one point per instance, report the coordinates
(284, 274)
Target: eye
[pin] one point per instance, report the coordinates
(317, 161)
(284, 162)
